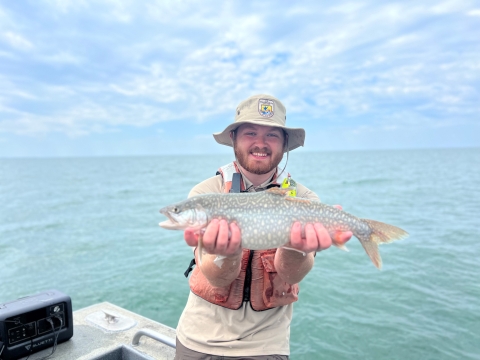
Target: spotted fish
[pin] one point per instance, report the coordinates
(265, 219)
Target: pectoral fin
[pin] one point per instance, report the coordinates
(200, 248)
(293, 249)
(341, 246)
(337, 240)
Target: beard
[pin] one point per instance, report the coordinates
(257, 167)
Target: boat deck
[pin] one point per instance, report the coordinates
(105, 332)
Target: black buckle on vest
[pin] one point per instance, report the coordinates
(190, 268)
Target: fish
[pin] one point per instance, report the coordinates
(265, 219)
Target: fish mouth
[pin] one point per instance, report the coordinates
(168, 224)
(171, 222)
(169, 215)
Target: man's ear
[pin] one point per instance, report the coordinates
(285, 142)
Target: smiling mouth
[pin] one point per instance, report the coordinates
(260, 154)
(257, 154)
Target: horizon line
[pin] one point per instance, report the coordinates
(40, 157)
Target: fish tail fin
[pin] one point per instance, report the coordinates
(381, 233)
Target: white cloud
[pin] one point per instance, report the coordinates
(474, 12)
(17, 41)
(404, 39)
(66, 6)
(140, 64)
(450, 6)
(61, 57)
(346, 8)
(9, 55)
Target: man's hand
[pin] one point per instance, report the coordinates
(316, 237)
(219, 238)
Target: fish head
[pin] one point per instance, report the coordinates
(185, 214)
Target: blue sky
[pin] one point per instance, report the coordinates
(131, 77)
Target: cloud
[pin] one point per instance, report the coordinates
(17, 41)
(61, 57)
(474, 12)
(95, 66)
(66, 6)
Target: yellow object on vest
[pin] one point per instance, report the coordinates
(288, 182)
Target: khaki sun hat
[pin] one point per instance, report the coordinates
(262, 110)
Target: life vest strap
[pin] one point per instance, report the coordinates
(236, 179)
(190, 268)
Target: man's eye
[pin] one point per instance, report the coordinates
(273, 135)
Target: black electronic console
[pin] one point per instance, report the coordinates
(34, 323)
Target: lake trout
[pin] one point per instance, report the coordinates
(265, 219)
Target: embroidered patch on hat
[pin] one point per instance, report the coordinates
(265, 107)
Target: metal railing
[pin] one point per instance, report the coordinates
(153, 335)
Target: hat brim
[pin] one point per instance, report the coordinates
(296, 136)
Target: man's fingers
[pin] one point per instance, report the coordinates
(311, 239)
(323, 237)
(210, 236)
(219, 238)
(296, 235)
(340, 237)
(234, 244)
(222, 237)
(191, 238)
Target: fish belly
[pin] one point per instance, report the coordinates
(265, 221)
(267, 232)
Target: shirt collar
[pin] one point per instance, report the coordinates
(263, 186)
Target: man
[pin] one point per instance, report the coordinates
(232, 311)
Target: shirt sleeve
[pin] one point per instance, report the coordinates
(306, 193)
(208, 186)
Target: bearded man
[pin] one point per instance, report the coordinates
(243, 309)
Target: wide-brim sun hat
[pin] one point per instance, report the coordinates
(263, 110)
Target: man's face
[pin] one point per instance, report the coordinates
(259, 149)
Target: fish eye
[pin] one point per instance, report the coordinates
(175, 209)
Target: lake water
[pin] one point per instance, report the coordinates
(89, 228)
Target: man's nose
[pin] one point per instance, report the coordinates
(261, 141)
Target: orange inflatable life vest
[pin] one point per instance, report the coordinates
(258, 281)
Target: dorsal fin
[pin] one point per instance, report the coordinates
(301, 200)
(284, 192)
(279, 191)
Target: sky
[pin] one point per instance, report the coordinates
(132, 77)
